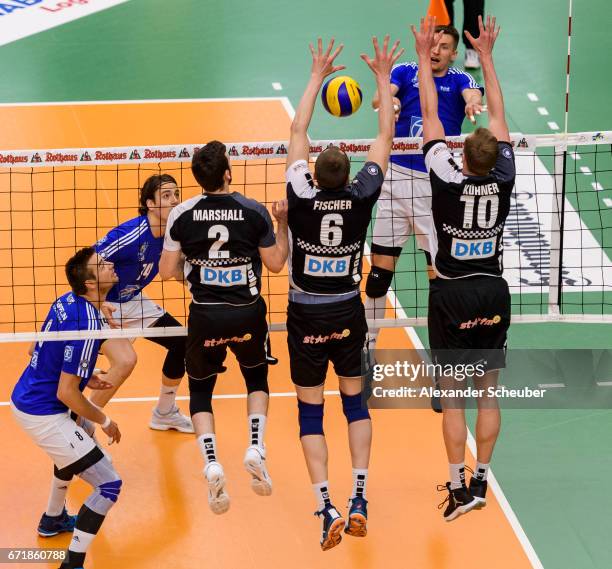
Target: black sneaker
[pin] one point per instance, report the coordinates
(478, 490)
(333, 523)
(460, 501)
(53, 525)
(357, 522)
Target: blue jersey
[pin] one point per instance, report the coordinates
(135, 253)
(451, 106)
(36, 390)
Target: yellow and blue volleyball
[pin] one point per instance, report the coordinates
(341, 96)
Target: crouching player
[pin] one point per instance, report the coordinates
(51, 388)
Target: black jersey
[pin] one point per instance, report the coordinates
(327, 229)
(220, 236)
(469, 213)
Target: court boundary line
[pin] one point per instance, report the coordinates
(283, 101)
(186, 397)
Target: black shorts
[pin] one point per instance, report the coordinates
(468, 321)
(212, 328)
(318, 333)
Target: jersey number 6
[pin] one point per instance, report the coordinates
(331, 229)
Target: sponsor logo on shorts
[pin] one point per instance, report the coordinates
(68, 351)
(218, 276)
(327, 266)
(222, 341)
(473, 248)
(480, 322)
(323, 339)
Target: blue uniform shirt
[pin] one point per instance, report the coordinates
(451, 106)
(135, 253)
(36, 390)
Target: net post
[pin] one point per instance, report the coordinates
(556, 231)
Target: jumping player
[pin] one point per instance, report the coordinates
(469, 209)
(404, 206)
(328, 218)
(217, 241)
(51, 388)
(135, 248)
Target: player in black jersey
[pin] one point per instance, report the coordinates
(469, 302)
(328, 218)
(217, 241)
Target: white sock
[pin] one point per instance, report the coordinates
(167, 399)
(321, 491)
(208, 447)
(360, 480)
(375, 308)
(457, 475)
(80, 541)
(257, 428)
(57, 496)
(481, 471)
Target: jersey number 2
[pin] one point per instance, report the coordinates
(221, 234)
(486, 215)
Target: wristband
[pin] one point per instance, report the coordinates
(106, 423)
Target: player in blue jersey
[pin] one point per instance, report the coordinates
(135, 248)
(404, 206)
(51, 388)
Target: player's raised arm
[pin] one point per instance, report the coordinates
(483, 44)
(381, 66)
(424, 40)
(322, 66)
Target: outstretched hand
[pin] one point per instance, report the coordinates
(323, 62)
(426, 37)
(484, 43)
(383, 59)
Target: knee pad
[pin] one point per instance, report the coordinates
(353, 408)
(256, 378)
(379, 281)
(174, 364)
(200, 395)
(107, 486)
(310, 418)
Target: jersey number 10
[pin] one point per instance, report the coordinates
(486, 208)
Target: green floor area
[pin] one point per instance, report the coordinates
(553, 465)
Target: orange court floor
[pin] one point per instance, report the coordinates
(162, 518)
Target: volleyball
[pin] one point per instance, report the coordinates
(341, 96)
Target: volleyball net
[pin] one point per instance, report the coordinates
(557, 239)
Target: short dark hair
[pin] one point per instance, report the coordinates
(332, 169)
(151, 185)
(209, 164)
(77, 271)
(451, 31)
(480, 151)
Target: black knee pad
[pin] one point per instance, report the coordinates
(174, 364)
(256, 378)
(200, 395)
(379, 281)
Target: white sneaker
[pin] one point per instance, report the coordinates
(255, 464)
(472, 61)
(218, 498)
(173, 420)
